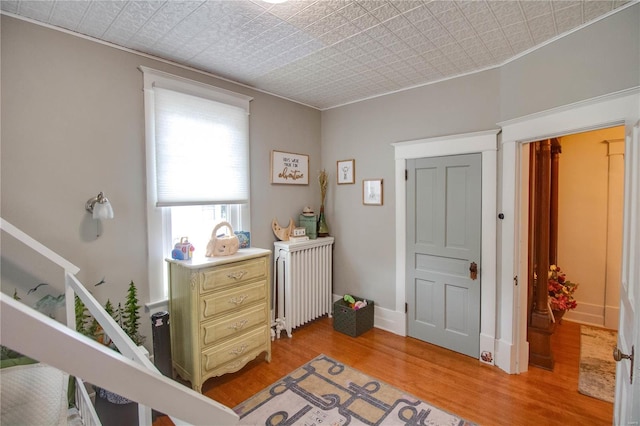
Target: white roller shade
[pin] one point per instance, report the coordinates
(202, 150)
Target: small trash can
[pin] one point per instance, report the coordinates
(161, 342)
(352, 322)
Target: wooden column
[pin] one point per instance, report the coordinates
(540, 325)
(556, 150)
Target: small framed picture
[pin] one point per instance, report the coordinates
(346, 172)
(289, 168)
(372, 192)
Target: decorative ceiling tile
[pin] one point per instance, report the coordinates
(542, 28)
(418, 14)
(507, 12)
(440, 6)
(472, 7)
(323, 52)
(38, 10)
(521, 46)
(483, 21)
(407, 5)
(559, 5)
(493, 36)
(385, 12)
(365, 22)
(462, 31)
(450, 18)
(482, 60)
(593, 9)
(533, 9)
(501, 55)
(284, 10)
(568, 18)
(10, 6)
(128, 21)
(352, 11)
(473, 45)
(67, 15)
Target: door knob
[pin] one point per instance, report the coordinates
(473, 270)
(618, 355)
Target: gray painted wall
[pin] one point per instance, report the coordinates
(67, 102)
(73, 125)
(364, 255)
(599, 59)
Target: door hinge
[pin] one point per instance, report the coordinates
(406, 174)
(406, 307)
(515, 280)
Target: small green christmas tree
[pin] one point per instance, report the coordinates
(131, 317)
(82, 318)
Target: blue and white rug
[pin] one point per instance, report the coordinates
(326, 392)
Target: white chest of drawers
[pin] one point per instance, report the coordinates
(219, 314)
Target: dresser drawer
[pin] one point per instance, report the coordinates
(232, 324)
(232, 299)
(235, 348)
(233, 274)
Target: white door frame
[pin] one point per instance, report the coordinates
(605, 111)
(480, 142)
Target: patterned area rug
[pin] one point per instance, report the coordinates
(326, 392)
(597, 376)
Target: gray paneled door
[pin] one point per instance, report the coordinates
(443, 244)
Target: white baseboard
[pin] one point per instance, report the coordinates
(505, 358)
(386, 319)
(389, 320)
(612, 317)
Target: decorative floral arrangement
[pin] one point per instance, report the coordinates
(323, 180)
(560, 290)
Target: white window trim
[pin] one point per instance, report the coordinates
(159, 219)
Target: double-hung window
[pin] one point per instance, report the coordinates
(197, 156)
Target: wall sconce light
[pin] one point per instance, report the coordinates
(100, 207)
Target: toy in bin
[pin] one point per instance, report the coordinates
(183, 250)
(353, 304)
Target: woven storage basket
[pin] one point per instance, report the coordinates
(351, 321)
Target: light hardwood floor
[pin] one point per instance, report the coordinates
(459, 384)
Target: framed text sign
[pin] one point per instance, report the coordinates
(289, 168)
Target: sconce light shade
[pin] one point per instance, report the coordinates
(103, 211)
(100, 207)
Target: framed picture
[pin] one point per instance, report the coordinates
(346, 172)
(289, 168)
(372, 192)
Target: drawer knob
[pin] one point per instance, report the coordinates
(236, 275)
(238, 300)
(238, 325)
(238, 351)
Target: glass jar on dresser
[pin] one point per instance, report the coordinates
(218, 313)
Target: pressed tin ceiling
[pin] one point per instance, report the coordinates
(323, 53)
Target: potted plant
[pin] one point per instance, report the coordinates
(561, 292)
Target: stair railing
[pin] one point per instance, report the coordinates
(128, 373)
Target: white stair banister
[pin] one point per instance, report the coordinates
(129, 374)
(47, 339)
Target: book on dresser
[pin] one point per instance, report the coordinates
(219, 314)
